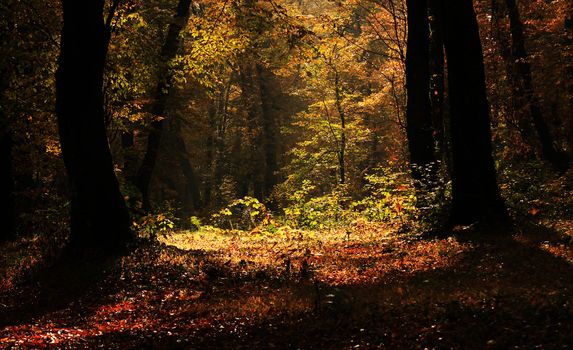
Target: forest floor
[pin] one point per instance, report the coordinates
(366, 287)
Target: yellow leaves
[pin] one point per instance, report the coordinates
(211, 46)
(158, 118)
(185, 295)
(53, 147)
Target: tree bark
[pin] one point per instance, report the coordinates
(7, 210)
(99, 217)
(419, 126)
(219, 125)
(192, 196)
(211, 153)
(159, 108)
(255, 164)
(342, 116)
(523, 90)
(437, 82)
(475, 194)
(569, 71)
(269, 131)
(129, 155)
(7, 205)
(257, 175)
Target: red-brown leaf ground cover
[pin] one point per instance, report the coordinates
(311, 290)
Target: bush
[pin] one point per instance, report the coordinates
(151, 225)
(326, 211)
(241, 214)
(391, 197)
(194, 224)
(531, 189)
(433, 196)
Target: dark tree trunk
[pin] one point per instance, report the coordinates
(523, 90)
(99, 216)
(255, 164)
(516, 113)
(215, 147)
(192, 193)
(259, 152)
(569, 71)
(129, 155)
(239, 168)
(342, 142)
(502, 36)
(211, 154)
(218, 170)
(219, 130)
(374, 142)
(7, 207)
(419, 126)
(269, 131)
(7, 211)
(437, 83)
(159, 108)
(192, 196)
(475, 194)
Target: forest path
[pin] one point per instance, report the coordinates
(331, 290)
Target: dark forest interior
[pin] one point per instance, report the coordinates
(305, 174)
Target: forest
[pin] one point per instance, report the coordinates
(286, 174)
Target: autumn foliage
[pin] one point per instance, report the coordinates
(266, 174)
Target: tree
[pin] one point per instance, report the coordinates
(254, 153)
(159, 108)
(191, 195)
(6, 179)
(524, 94)
(7, 210)
(419, 124)
(256, 80)
(99, 216)
(342, 118)
(218, 119)
(569, 69)
(269, 129)
(437, 85)
(475, 194)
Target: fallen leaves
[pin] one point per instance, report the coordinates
(237, 291)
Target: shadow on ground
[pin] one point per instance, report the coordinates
(506, 291)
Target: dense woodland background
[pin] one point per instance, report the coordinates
(131, 125)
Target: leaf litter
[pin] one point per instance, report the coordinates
(310, 290)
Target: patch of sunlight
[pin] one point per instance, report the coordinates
(267, 249)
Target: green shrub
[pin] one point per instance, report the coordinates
(241, 214)
(194, 224)
(152, 225)
(391, 197)
(433, 196)
(327, 211)
(160, 222)
(532, 190)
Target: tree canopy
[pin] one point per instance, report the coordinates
(324, 149)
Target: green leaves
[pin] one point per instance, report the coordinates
(242, 214)
(391, 197)
(210, 48)
(154, 224)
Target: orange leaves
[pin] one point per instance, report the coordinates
(361, 263)
(40, 337)
(182, 295)
(114, 309)
(414, 291)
